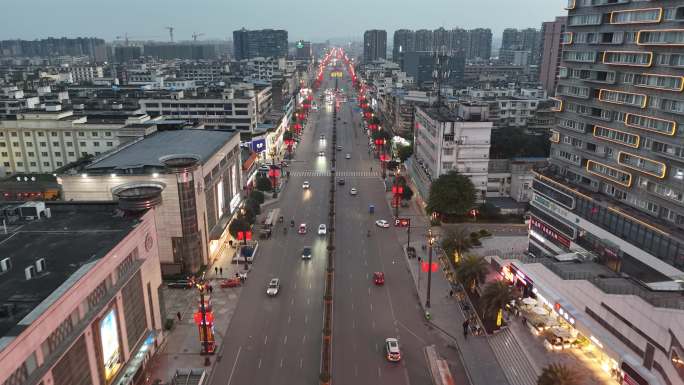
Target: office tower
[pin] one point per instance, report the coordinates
(609, 211)
(551, 32)
(303, 50)
(518, 43)
(259, 43)
(403, 41)
(423, 40)
(480, 44)
(374, 45)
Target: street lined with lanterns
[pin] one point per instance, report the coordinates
(280, 338)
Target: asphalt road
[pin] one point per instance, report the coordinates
(278, 340)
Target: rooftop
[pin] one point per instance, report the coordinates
(441, 114)
(146, 152)
(75, 235)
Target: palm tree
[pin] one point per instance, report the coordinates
(495, 296)
(559, 374)
(470, 271)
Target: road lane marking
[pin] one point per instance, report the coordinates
(309, 285)
(285, 340)
(306, 319)
(259, 364)
(281, 362)
(353, 324)
(373, 324)
(376, 348)
(308, 301)
(265, 339)
(301, 363)
(292, 301)
(304, 339)
(369, 291)
(232, 371)
(371, 307)
(295, 285)
(352, 306)
(379, 372)
(289, 318)
(356, 370)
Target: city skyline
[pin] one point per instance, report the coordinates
(216, 21)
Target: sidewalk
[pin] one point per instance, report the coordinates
(181, 348)
(477, 354)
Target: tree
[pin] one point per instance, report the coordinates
(456, 242)
(404, 152)
(238, 224)
(263, 183)
(495, 296)
(257, 196)
(559, 374)
(470, 271)
(288, 135)
(451, 194)
(381, 134)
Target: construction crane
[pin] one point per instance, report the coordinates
(170, 33)
(125, 37)
(195, 35)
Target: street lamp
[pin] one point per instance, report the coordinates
(431, 241)
(398, 191)
(204, 318)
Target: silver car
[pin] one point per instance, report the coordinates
(273, 287)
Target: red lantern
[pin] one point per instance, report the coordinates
(208, 316)
(274, 173)
(397, 190)
(379, 142)
(426, 266)
(384, 157)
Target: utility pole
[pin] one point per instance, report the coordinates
(431, 240)
(170, 33)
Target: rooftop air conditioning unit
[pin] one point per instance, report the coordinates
(30, 272)
(5, 265)
(40, 265)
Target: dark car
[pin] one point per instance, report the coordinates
(340, 182)
(180, 284)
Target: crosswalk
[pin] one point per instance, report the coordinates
(513, 360)
(341, 174)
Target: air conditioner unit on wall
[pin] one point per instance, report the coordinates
(40, 265)
(30, 272)
(5, 265)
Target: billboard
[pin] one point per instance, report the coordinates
(111, 349)
(258, 145)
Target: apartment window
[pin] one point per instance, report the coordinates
(57, 153)
(59, 164)
(620, 97)
(27, 133)
(574, 91)
(71, 153)
(662, 126)
(43, 154)
(108, 133)
(81, 133)
(17, 154)
(29, 144)
(616, 136)
(13, 134)
(110, 144)
(41, 134)
(670, 59)
(665, 148)
(67, 133)
(15, 144)
(20, 164)
(642, 164)
(31, 154)
(668, 105)
(580, 56)
(661, 37)
(628, 58)
(94, 134)
(43, 144)
(96, 144)
(581, 20)
(448, 151)
(82, 144)
(568, 156)
(55, 144)
(46, 164)
(637, 16)
(7, 164)
(610, 173)
(5, 154)
(3, 144)
(53, 134)
(69, 144)
(662, 82)
(32, 164)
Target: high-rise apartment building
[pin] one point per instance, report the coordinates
(263, 42)
(517, 42)
(404, 41)
(607, 217)
(550, 49)
(303, 50)
(423, 40)
(374, 45)
(480, 44)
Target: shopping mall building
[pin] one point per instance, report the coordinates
(79, 293)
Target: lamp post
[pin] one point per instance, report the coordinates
(431, 240)
(397, 190)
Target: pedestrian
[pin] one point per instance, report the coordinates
(451, 293)
(211, 289)
(215, 270)
(221, 271)
(466, 324)
(524, 320)
(179, 316)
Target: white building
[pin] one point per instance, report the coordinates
(510, 106)
(82, 74)
(43, 141)
(512, 178)
(446, 140)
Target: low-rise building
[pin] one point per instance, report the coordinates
(512, 178)
(80, 305)
(200, 173)
(451, 140)
(513, 107)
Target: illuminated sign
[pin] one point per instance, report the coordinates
(300, 44)
(549, 232)
(539, 200)
(258, 145)
(402, 222)
(111, 350)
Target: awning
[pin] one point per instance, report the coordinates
(216, 231)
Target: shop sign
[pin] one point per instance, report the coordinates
(258, 145)
(549, 232)
(543, 203)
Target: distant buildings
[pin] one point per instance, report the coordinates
(422, 66)
(194, 51)
(472, 45)
(53, 47)
(374, 45)
(303, 50)
(264, 42)
(551, 47)
(520, 47)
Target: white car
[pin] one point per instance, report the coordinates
(321, 153)
(382, 223)
(348, 156)
(306, 184)
(273, 287)
(322, 229)
(353, 191)
(392, 351)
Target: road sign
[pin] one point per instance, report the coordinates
(258, 145)
(336, 74)
(402, 222)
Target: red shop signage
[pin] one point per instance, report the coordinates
(549, 232)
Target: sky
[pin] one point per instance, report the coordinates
(304, 19)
